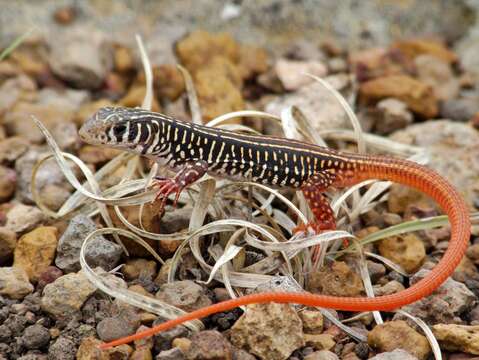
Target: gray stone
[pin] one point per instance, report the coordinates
(322, 355)
(397, 354)
(62, 349)
(35, 337)
(462, 109)
(81, 56)
(14, 282)
(185, 294)
(100, 251)
(172, 354)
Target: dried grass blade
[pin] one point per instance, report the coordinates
(192, 97)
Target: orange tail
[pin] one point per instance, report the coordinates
(367, 167)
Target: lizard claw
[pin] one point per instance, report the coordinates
(166, 187)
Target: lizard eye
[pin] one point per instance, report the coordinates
(119, 130)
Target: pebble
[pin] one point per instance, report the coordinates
(100, 252)
(97, 155)
(139, 268)
(418, 95)
(14, 283)
(88, 349)
(473, 253)
(168, 82)
(407, 251)
(65, 296)
(291, 73)
(322, 355)
(12, 148)
(397, 354)
(49, 275)
(35, 251)
(66, 135)
(316, 103)
(375, 270)
(175, 220)
(80, 57)
(337, 279)
(35, 337)
(269, 331)
(312, 321)
(62, 349)
(414, 47)
(393, 115)
(186, 295)
(172, 354)
(209, 345)
(22, 218)
(115, 327)
(320, 341)
(454, 337)
(460, 109)
(8, 241)
(391, 287)
(437, 74)
(445, 305)
(8, 183)
(398, 334)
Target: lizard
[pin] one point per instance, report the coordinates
(194, 150)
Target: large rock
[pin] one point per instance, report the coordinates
(35, 251)
(445, 305)
(407, 250)
(65, 296)
(452, 148)
(100, 251)
(269, 331)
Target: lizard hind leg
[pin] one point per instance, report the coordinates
(324, 219)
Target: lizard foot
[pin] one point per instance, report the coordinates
(166, 186)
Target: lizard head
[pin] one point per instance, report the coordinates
(109, 126)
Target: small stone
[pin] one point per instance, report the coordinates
(168, 81)
(86, 110)
(49, 275)
(66, 135)
(454, 337)
(253, 61)
(473, 253)
(14, 283)
(461, 109)
(466, 270)
(393, 115)
(80, 57)
(398, 334)
(209, 345)
(320, 341)
(12, 148)
(112, 328)
(8, 241)
(162, 277)
(35, 337)
(97, 155)
(172, 354)
(269, 331)
(65, 15)
(176, 220)
(88, 349)
(375, 270)
(121, 352)
(412, 48)
(66, 295)
(22, 218)
(391, 287)
(62, 349)
(337, 65)
(141, 354)
(54, 196)
(135, 96)
(407, 250)
(312, 321)
(124, 60)
(292, 72)
(100, 252)
(316, 103)
(322, 355)
(437, 74)
(397, 354)
(418, 96)
(337, 279)
(35, 251)
(196, 50)
(185, 295)
(139, 268)
(8, 182)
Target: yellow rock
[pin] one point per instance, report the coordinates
(337, 279)
(35, 251)
(312, 321)
(320, 342)
(454, 337)
(408, 251)
(399, 335)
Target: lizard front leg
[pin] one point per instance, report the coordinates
(190, 173)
